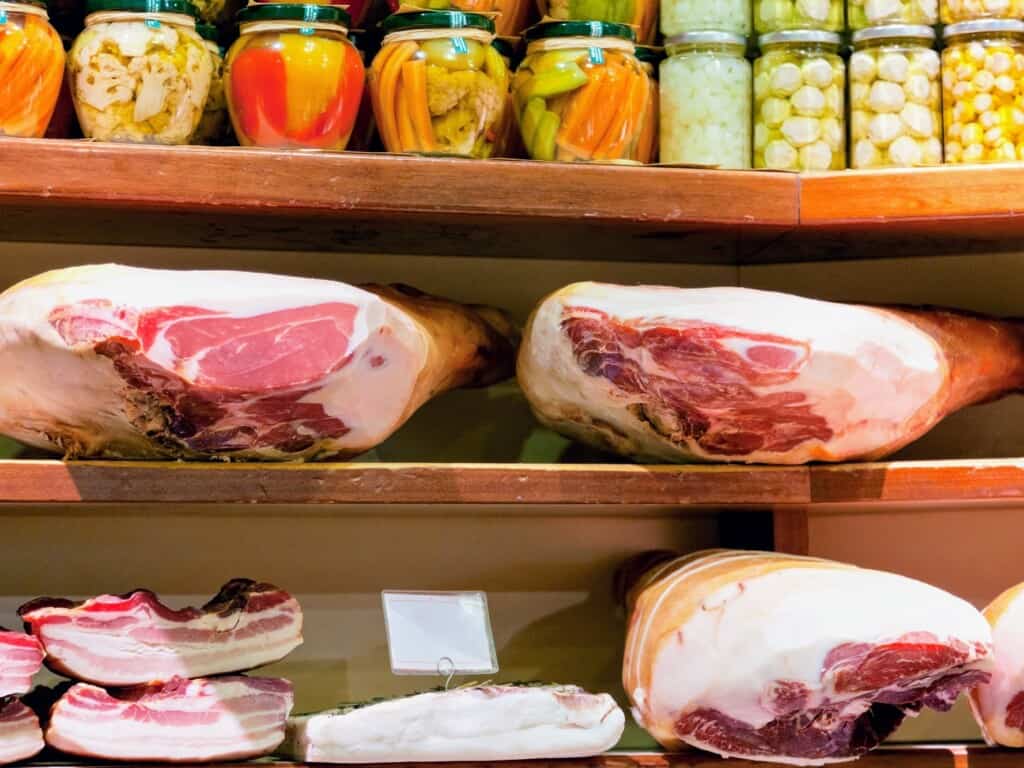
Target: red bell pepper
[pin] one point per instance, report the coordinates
(259, 95)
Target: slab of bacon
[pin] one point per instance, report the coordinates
(793, 660)
(202, 720)
(21, 656)
(489, 722)
(731, 374)
(133, 639)
(20, 734)
(999, 705)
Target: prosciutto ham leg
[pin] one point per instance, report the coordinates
(731, 374)
(999, 705)
(136, 363)
(203, 720)
(132, 639)
(20, 734)
(792, 660)
(21, 656)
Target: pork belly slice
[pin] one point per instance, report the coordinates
(489, 722)
(230, 365)
(201, 720)
(732, 374)
(133, 639)
(20, 734)
(999, 705)
(793, 660)
(21, 656)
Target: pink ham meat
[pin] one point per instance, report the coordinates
(202, 720)
(21, 656)
(731, 374)
(229, 364)
(133, 639)
(20, 734)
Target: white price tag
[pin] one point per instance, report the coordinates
(444, 633)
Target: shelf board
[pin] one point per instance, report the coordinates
(962, 482)
(77, 191)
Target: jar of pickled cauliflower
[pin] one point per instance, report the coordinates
(706, 86)
(861, 14)
(140, 72)
(580, 94)
(679, 16)
(32, 62)
(214, 122)
(895, 99)
(293, 78)
(778, 15)
(953, 11)
(983, 91)
(798, 102)
(650, 59)
(640, 15)
(438, 85)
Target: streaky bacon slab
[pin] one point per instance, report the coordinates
(21, 656)
(201, 720)
(20, 734)
(133, 639)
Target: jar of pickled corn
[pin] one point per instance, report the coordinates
(640, 15)
(799, 84)
(778, 15)
(214, 122)
(32, 62)
(706, 87)
(438, 85)
(679, 16)
(983, 91)
(861, 14)
(953, 11)
(895, 100)
(650, 59)
(293, 78)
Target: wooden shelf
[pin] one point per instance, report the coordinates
(961, 482)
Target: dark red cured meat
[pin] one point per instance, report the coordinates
(858, 667)
(699, 388)
(1015, 711)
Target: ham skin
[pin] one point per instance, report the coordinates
(21, 656)
(480, 723)
(740, 375)
(20, 734)
(230, 365)
(792, 660)
(999, 705)
(133, 639)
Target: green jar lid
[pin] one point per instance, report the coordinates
(182, 7)
(436, 20)
(207, 31)
(503, 47)
(325, 14)
(648, 54)
(579, 29)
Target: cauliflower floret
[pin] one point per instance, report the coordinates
(464, 104)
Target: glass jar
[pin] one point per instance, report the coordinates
(983, 91)
(641, 15)
(214, 122)
(293, 78)
(953, 11)
(706, 86)
(679, 16)
(438, 85)
(580, 94)
(365, 130)
(798, 102)
(32, 63)
(510, 15)
(778, 15)
(895, 100)
(140, 72)
(650, 59)
(861, 14)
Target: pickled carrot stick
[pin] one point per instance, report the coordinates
(388, 93)
(625, 125)
(376, 69)
(607, 102)
(414, 83)
(580, 105)
(406, 133)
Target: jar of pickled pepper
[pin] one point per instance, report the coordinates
(580, 94)
(438, 85)
(32, 60)
(293, 78)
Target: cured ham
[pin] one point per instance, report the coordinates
(20, 734)
(999, 705)
(489, 722)
(791, 659)
(132, 639)
(21, 656)
(731, 374)
(202, 720)
(229, 364)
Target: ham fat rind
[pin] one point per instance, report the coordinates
(999, 705)
(21, 656)
(202, 720)
(20, 734)
(491, 722)
(229, 364)
(793, 660)
(132, 639)
(732, 374)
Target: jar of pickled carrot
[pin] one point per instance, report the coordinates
(580, 94)
(293, 78)
(438, 85)
(32, 60)
(640, 15)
